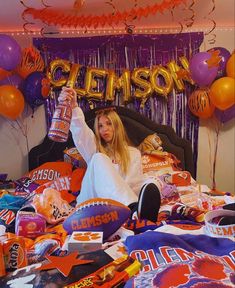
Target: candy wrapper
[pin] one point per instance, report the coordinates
(115, 274)
(72, 156)
(51, 205)
(25, 186)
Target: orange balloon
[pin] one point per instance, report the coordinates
(200, 105)
(11, 102)
(222, 93)
(230, 66)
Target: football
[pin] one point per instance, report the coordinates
(97, 214)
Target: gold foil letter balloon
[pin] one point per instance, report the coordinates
(73, 75)
(179, 74)
(91, 82)
(115, 83)
(174, 68)
(110, 86)
(185, 63)
(161, 88)
(56, 71)
(140, 78)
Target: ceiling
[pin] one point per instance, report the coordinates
(204, 14)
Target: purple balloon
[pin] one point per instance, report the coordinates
(200, 72)
(14, 80)
(224, 54)
(32, 89)
(226, 115)
(10, 52)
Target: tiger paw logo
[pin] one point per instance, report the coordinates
(145, 159)
(86, 236)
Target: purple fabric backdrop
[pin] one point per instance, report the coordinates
(131, 51)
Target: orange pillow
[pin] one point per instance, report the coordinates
(50, 171)
(76, 179)
(68, 186)
(155, 163)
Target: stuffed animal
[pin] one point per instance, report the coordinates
(152, 145)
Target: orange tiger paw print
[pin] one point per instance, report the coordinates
(86, 236)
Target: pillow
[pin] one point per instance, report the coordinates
(50, 171)
(68, 186)
(154, 158)
(154, 163)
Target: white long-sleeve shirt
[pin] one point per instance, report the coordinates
(84, 140)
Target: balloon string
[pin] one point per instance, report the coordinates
(217, 132)
(23, 129)
(210, 155)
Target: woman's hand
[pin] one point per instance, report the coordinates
(68, 96)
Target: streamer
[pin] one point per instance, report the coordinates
(27, 30)
(45, 5)
(69, 17)
(173, 19)
(43, 34)
(22, 2)
(212, 40)
(190, 20)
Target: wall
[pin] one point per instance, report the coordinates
(225, 163)
(13, 144)
(14, 147)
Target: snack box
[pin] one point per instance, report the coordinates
(71, 155)
(29, 224)
(85, 241)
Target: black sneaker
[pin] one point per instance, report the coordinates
(149, 202)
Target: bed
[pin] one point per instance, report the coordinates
(179, 250)
(137, 127)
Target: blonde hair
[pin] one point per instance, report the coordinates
(118, 148)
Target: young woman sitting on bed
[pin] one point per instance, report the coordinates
(114, 169)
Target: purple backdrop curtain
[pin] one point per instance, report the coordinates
(131, 51)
